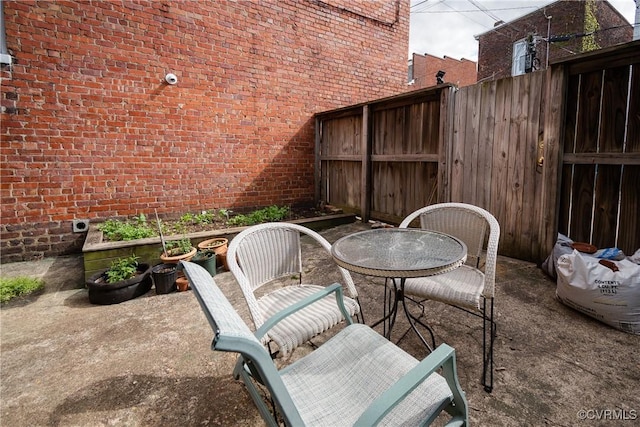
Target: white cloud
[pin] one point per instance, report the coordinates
(448, 27)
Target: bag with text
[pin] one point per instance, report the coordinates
(606, 290)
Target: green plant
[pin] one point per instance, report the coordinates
(15, 286)
(187, 218)
(122, 269)
(268, 214)
(116, 230)
(179, 247)
(204, 217)
(224, 213)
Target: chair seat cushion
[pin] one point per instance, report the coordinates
(461, 287)
(334, 384)
(303, 325)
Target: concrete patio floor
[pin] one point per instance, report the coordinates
(147, 362)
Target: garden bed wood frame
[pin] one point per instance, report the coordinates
(99, 254)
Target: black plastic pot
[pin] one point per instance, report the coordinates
(164, 278)
(101, 292)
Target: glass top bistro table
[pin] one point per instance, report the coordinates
(399, 253)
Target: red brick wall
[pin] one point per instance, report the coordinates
(567, 17)
(459, 72)
(90, 129)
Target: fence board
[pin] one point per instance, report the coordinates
(629, 229)
(588, 112)
(513, 224)
(614, 110)
(457, 162)
(633, 120)
(581, 214)
(470, 145)
(499, 172)
(606, 206)
(532, 180)
(564, 216)
(485, 141)
(571, 116)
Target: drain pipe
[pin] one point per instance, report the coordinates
(5, 58)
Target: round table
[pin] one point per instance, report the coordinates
(399, 253)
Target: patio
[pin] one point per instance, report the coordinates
(147, 362)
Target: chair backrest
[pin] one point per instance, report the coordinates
(476, 227)
(266, 252)
(233, 335)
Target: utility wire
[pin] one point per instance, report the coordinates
(485, 10)
(418, 4)
(499, 9)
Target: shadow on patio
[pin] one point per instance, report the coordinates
(147, 361)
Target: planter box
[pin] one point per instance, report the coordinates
(98, 255)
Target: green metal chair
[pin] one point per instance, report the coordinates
(356, 378)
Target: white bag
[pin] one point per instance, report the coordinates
(613, 297)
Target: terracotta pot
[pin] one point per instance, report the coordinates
(221, 258)
(219, 246)
(182, 283)
(168, 258)
(216, 244)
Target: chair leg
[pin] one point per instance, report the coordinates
(487, 346)
(360, 315)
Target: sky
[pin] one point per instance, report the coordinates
(448, 27)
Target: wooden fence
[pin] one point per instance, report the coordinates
(544, 152)
(600, 193)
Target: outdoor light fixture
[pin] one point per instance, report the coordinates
(439, 77)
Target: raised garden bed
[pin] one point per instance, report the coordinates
(99, 254)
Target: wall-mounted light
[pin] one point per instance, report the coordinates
(440, 77)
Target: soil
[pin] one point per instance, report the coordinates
(176, 226)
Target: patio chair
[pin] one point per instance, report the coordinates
(470, 287)
(265, 254)
(355, 378)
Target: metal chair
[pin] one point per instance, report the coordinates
(264, 253)
(355, 378)
(472, 286)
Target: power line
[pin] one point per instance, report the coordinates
(418, 4)
(485, 10)
(499, 9)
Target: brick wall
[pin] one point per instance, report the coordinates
(459, 72)
(91, 130)
(495, 47)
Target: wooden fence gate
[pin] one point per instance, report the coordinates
(600, 192)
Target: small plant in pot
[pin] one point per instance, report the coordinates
(125, 279)
(176, 251)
